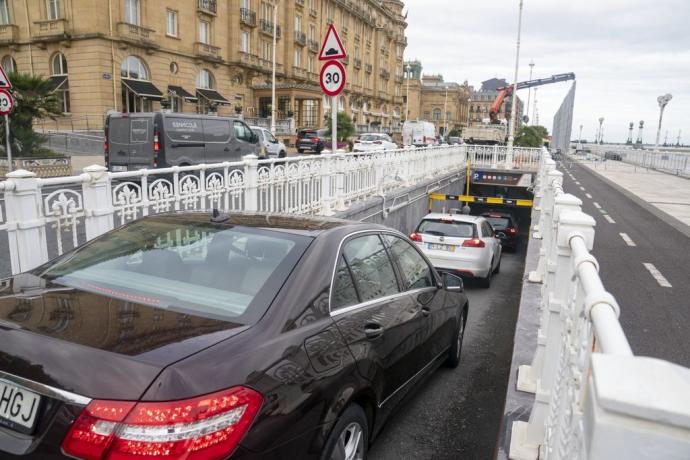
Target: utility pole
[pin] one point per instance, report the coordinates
(273, 80)
(513, 109)
(678, 140)
(535, 120)
(579, 139)
(600, 134)
(663, 101)
(529, 93)
(630, 133)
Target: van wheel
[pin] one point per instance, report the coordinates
(282, 154)
(349, 439)
(300, 151)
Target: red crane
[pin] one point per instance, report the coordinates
(508, 90)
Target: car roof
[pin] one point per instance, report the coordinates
(497, 214)
(373, 134)
(454, 217)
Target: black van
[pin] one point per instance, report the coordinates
(160, 140)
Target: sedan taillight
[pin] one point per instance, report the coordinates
(473, 243)
(511, 231)
(416, 237)
(207, 427)
(378, 142)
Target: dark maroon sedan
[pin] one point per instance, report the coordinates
(197, 336)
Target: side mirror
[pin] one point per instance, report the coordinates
(452, 283)
(255, 138)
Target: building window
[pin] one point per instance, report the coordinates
(311, 65)
(58, 65)
(171, 22)
(437, 114)
(58, 68)
(133, 12)
(266, 50)
(298, 23)
(205, 80)
(244, 41)
(4, 13)
(246, 4)
(9, 64)
(298, 57)
(133, 67)
(53, 9)
(267, 12)
(312, 32)
(174, 68)
(426, 115)
(204, 32)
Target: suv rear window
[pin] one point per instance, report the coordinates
(450, 228)
(498, 222)
(307, 133)
(228, 273)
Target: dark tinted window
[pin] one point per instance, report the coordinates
(344, 292)
(118, 130)
(415, 270)
(242, 131)
(205, 269)
(217, 130)
(449, 227)
(371, 267)
(486, 229)
(184, 129)
(499, 222)
(307, 133)
(139, 131)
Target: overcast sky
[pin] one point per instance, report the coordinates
(624, 53)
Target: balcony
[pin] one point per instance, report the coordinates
(368, 68)
(207, 52)
(207, 6)
(299, 72)
(248, 17)
(51, 30)
(313, 46)
(312, 12)
(267, 28)
(398, 79)
(247, 59)
(357, 38)
(299, 2)
(9, 33)
(385, 74)
(313, 76)
(357, 63)
(383, 94)
(300, 38)
(137, 35)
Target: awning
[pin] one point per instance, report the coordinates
(212, 95)
(57, 82)
(143, 88)
(181, 92)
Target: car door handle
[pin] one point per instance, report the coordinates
(426, 311)
(121, 152)
(373, 331)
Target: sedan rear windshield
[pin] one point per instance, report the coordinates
(308, 134)
(216, 271)
(370, 137)
(499, 222)
(449, 228)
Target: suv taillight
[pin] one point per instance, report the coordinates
(473, 243)
(207, 427)
(416, 237)
(378, 142)
(315, 139)
(511, 230)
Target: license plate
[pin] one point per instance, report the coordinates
(18, 407)
(118, 168)
(441, 247)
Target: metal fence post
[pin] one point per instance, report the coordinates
(327, 166)
(340, 171)
(98, 201)
(26, 231)
(251, 180)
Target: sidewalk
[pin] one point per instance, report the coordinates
(665, 192)
(79, 162)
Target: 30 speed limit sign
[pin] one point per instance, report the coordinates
(6, 102)
(332, 78)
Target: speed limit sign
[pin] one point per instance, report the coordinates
(332, 78)
(6, 102)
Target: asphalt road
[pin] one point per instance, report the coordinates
(655, 318)
(456, 413)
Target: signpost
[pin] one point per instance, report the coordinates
(6, 106)
(332, 78)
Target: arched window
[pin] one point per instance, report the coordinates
(133, 67)
(58, 70)
(58, 64)
(9, 64)
(437, 114)
(205, 80)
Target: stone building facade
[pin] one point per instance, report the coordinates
(201, 55)
(482, 100)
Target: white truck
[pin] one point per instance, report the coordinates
(418, 133)
(485, 134)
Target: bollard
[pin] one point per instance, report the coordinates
(251, 181)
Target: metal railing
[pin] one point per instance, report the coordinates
(677, 163)
(593, 398)
(248, 17)
(208, 5)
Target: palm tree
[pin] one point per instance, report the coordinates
(34, 98)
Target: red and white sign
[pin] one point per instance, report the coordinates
(332, 47)
(4, 81)
(332, 78)
(6, 102)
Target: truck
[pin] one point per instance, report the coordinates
(419, 133)
(485, 134)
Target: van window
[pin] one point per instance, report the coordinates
(242, 131)
(217, 131)
(118, 130)
(184, 129)
(139, 131)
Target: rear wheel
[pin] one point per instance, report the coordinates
(486, 282)
(282, 154)
(456, 344)
(350, 436)
(498, 267)
(300, 151)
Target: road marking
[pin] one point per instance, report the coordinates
(597, 205)
(588, 195)
(627, 239)
(582, 188)
(607, 217)
(603, 211)
(656, 274)
(576, 182)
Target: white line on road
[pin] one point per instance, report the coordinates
(576, 182)
(607, 217)
(597, 205)
(582, 188)
(603, 211)
(588, 195)
(663, 282)
(627, 239)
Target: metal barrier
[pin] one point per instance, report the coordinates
(677, 163)
(593, 398)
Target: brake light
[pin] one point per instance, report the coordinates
(156, 142)
(315, 139)
(207, 427)
(416, 237)
(356, 141)
(473, 243)
(424, 139)
(378, 142)
(511, 230)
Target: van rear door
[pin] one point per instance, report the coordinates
(141, 154)
(117, 135)
(184, 141)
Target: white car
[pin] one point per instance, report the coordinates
(270, 146)
(373, 142)
(461, 244)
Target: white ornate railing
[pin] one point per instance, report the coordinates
(677, 163)
(593, 398)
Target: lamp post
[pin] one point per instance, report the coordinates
(600, 134)
(273, 79)
(663, 101)
(579, 139)
(407, 93)
(529, 93)
(513, 109)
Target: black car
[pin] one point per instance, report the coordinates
(615, 156)
(311, 140)
(505, 226)
(199, 336)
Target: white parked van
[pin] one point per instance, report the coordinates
(419, 133)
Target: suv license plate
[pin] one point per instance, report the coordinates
(18, 407)
(441, 247)
(118, 168)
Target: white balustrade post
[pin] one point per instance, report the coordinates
(494, 157)
(98, 201)
(251, 181)
(327, 175)
(380, 164)
(554, 183)
(549, 166)
(26, 231)
(340, 171)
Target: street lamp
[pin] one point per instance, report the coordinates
(513, 109)
(273, 80)
(579, 140)
(445, 114)
(529, 93)
(407, 93)
(600, 135)
(662, 100)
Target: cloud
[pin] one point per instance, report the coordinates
(625, 53)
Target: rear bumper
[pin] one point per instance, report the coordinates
(473, 267)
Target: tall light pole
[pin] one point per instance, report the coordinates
(529, 93)
(513, 109)
(662, 100)
(579, 139)
(407, 93)
(600, 134)
(534, 109)
(273, 80)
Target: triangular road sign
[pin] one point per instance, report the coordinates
(332, 47)
(4, 81)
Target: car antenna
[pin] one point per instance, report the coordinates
(217, 217)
